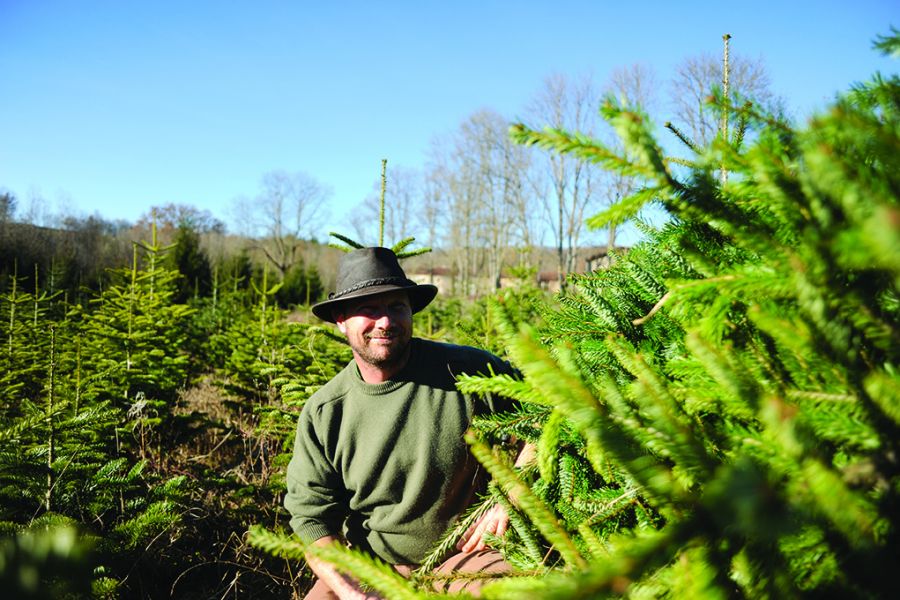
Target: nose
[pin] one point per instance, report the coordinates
(383, 319)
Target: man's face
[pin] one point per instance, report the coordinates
(378, 328)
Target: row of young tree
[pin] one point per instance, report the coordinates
(139, 431)
(144, 428)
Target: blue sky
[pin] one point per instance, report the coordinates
(113, 107)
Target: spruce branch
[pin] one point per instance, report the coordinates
(359, 565)
(400, 246)
(416, 252)
(611, 574)
(682, 136)
(888, 44)
(626, 208)
(681, 162)
(540, 515)
(503, 385)
(634, 129)
(726, 72)
(852, 514)
(884, 389)
(548, 446)
(577, 144)
(524, 529)
(449, 539)
(367, 569)
(740, 390)
(743, 122)
(349, 243)
(702, 283)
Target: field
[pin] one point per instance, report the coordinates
(716, 413)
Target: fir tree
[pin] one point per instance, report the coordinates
(735, 373)
(189, 259)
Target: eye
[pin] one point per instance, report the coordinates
(367, 310)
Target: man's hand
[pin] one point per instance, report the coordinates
(494, 521)
(345, 587)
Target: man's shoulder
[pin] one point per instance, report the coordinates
(333, 391)
(467, 360)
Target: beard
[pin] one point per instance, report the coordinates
(372, 351)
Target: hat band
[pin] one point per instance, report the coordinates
(400, 281)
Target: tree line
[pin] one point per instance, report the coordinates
(489, 205)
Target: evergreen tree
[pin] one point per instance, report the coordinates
(135, 336)
(64, 457)
(301, 286)
(735, 373)
(188, 259)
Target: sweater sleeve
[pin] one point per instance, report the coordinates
(475, 361)
(497, 403)
(313, 486)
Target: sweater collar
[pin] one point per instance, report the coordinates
(404, 376)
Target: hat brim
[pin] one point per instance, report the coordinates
(420, 296)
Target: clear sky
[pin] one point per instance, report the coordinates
(112, 107)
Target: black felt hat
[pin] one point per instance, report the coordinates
(370, 271)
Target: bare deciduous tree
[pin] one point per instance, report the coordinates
(432, 214)
(36, 209)
(634, 86)
(479, 172)
(452, 185)
(693, 82)
(289, 209)
(170, 216)
(403, 192)
(569, 104)
(7, 205)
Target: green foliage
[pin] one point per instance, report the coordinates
(525, 303)
(188, 259)
(96, 392)
(20, 372)
(369, 570)
(734, 375)
(301, 286)
(235, 273)
(48, 560)
(399, 248)
(135, 334)
(98, 429)
(889, 44)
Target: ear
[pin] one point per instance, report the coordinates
(339, 321)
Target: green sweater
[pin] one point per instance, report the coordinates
(385, 465)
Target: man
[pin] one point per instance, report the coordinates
(379, 458)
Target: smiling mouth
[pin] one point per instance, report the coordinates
(381, 338)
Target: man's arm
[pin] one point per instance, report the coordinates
(494, 521)
(344, 586)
